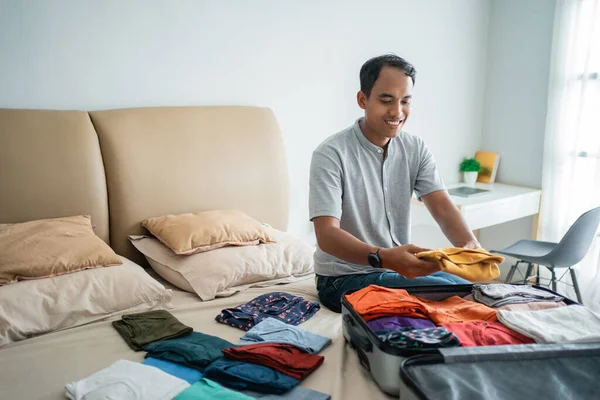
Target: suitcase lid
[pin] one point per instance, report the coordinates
(529, 371)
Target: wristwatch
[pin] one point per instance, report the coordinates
(374, 260)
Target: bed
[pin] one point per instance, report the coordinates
(122, 166)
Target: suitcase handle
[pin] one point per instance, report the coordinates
(358, 340)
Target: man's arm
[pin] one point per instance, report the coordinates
(341, 244)
(449, 219)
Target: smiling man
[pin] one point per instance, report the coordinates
(361, 183)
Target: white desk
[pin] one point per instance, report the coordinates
(502, 204)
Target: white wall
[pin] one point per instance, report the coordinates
(516, 96)
(299, 58)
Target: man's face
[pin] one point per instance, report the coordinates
(388, 106)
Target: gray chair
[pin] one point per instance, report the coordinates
(565, 254)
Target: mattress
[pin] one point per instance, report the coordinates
(39, 368)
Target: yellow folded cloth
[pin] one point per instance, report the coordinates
(475, 265)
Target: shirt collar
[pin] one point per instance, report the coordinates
(365, 142)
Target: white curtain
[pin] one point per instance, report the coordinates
(571, 177)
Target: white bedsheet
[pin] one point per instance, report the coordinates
(39, 368)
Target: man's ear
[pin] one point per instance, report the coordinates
(361, 99)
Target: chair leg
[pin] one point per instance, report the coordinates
(528, 273)
(511, 272)
(575, 285)
(537, 274)
(553, 281)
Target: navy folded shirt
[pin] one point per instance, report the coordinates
(292, 310)
(246, 376)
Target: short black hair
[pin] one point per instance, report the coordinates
(370, 70)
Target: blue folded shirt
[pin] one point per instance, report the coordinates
(274, 331)
(180, 371)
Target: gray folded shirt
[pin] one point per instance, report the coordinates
(497, 295)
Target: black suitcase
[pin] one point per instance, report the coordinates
(384, 361)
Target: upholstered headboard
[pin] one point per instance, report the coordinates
(156, 161)
(50, 166)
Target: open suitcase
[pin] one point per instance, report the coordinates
(529, 371)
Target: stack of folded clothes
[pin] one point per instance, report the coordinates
(139, 330)
(570, 324)
(287, 308)
(375, 302)
(197, 350)
(475, 265)
(492, 314)
(270, 361)
(284, 358)
(127, 380)
(420, 338)
(504, 294)
(274, 331)
(272, 357)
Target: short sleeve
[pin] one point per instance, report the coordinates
(325, 186)
(428, 179)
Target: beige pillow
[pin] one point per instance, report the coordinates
(228, 270)
(51, 247)
(30, 308)
(187, 234)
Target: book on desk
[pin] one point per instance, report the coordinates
(489, 166)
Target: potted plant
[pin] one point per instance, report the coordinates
(470, 168)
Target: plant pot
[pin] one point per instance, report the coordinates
(470, 177)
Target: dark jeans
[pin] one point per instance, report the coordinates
(331, 288)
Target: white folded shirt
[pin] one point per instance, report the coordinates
(127, 380)
(556, 325)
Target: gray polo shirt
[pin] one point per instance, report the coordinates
(350, 180)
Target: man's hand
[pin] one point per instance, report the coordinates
(402, 260)
(472, 244)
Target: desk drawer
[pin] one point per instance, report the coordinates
(498, 211)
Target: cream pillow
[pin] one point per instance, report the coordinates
(228, 270)
(187, 234)
(31, 308)
(51, 247)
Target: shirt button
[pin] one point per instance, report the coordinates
(385, 188)
(389, 213)
(379, 151)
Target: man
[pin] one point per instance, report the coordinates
(361, 183)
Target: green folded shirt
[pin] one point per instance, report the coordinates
(139, 330)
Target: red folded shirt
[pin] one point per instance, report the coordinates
(481, 333)
(287, 359)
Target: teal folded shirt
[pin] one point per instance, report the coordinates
(206, 389)
(196, 350)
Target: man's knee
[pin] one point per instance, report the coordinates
(331, 302)
(329, 293)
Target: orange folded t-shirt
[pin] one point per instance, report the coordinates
(475, 265)
(376, 301)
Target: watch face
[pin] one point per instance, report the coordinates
(374, 260)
